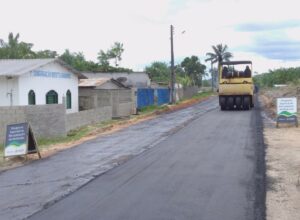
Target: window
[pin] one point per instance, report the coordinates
(52, 97)
(69, 100)
(31, 98)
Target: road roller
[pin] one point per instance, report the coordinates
(236, 88)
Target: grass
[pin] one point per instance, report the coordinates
(202, 95)
(151, 109)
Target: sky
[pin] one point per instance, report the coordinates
(264, 31)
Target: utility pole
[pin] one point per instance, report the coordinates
(212, 76)
(172, 68)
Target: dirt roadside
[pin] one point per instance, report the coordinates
(282, 160)
(10, 163)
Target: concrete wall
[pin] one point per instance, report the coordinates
(186, 93)
(45, 120)
(121, 100)
(50, 120)
(78, 119)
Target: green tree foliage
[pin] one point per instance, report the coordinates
(115, 52)
(13, 49)
(76, 60)
(103, 59)
(185, 81)
(194, 69)
(278, 76)
(46, 54)
(220, 54)
(158, 72)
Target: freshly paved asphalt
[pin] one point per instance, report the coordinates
(211, 169)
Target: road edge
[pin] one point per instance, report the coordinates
(260, 166)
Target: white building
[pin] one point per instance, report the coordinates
(38, 82)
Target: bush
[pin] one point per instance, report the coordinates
(278, 76)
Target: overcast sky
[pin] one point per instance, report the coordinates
(264, 31)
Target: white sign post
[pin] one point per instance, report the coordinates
(287, 111)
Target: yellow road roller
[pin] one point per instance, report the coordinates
(236, 87)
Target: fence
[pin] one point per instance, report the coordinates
(79, 119)
(50, 120)
(160, 96)
(163, 96)
(45, 120)
(145, 97)
(148, 96)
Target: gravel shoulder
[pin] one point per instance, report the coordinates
(283, 163)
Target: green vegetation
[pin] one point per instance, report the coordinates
(278, 76)
(202, 95)
(220, 54)
(158, 72)
(151, 109)
(14, 49)
(189, 72)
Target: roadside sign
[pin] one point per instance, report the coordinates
(20, 140)
(287, 110)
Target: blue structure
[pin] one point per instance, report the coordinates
(148, 96)
(145, 97)
(163, 96)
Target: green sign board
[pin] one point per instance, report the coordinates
(287, 110)
(19, 140)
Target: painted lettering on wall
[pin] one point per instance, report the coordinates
(40, 73)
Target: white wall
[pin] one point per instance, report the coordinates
(8, 86)
(41, 85)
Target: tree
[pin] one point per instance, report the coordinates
(220, 54)
(116, 52)
(14, 49)
(76, 60)
(103, 59)
(46, 54)
(158, 72)
(194, 69)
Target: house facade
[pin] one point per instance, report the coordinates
(38, 82)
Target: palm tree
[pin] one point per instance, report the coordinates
(220, 54)
(116, 52)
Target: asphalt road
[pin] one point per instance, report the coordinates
(211, 169)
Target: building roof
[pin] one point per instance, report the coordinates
(134, 79)
(95, 82)
(18, 67)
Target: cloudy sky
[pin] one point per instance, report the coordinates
(264, 31)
